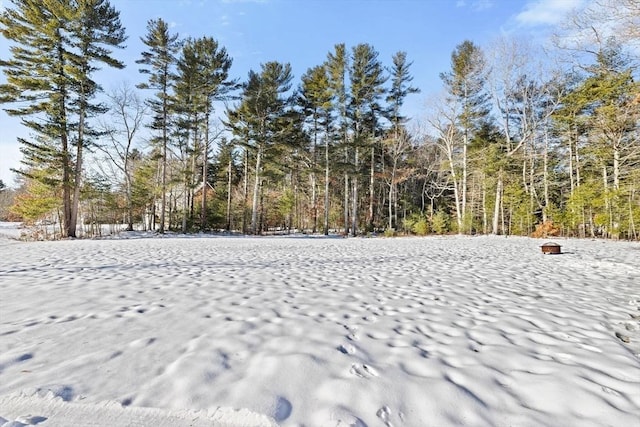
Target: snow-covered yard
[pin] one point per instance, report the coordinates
(10, 230)
(471, 331)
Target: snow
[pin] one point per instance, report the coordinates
(10, 230)
(298, 331)
(113, 414)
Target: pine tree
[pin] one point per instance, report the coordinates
(398, 144)
(610, 118)
(187, 105)
(609, 93)
(225, 172)
(315, 97)
(366, 77)
(58, 47)
(96, 28)
(337, 64)
(260, 120)
(203, 78)
(158, 63)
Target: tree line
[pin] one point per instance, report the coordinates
(512, 145)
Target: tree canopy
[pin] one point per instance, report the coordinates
(516, 143)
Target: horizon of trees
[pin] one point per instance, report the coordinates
(515, 144)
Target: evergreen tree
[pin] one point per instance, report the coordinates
(569, 123)
(144, 188)
(260, 120)
(398, 143)
(337, 64)
(225, 173)
(158, 63)
(608, 93)
(366, 77)
(38, 200)
(315, 97)
(187, 106)
(96, 28)
(203, 78)
(610, 118)
(400, 88)
(58, 47)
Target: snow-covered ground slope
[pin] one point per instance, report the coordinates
(482, 331)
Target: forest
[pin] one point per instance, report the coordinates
(521, 141)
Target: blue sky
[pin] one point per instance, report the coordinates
(302, 32)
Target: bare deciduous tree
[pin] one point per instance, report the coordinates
(125, 119)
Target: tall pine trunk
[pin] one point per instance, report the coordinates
(163, 177)
(205, 168)
(69, 229)
(346, 196)
(256, 192)
(228, 226)
(77, 182)
(326, 186)
(354, 200)
(245, 191)
(314, 202)
(372, 187)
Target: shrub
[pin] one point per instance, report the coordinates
(440, 222)
(416, 223)
(546, 229)
(420, 227)
(408, 222)
(389, 232)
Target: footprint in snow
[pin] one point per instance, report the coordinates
(623, 338)
(384, 413)
(346, 349)
(352, 335)
(377, 335)
(363, 371)
(371, 318)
